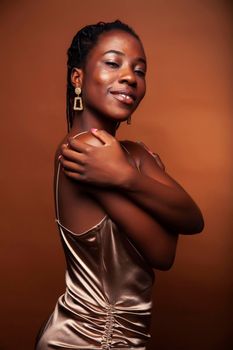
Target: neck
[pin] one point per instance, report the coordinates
(83, 122)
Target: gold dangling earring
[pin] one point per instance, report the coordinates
(78, 102)
(129, 120)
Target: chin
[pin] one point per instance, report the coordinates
(118, 116)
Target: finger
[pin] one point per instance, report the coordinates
(74, 175)
(71, 166)
(71, 155)
(78, 146)
(103, 136)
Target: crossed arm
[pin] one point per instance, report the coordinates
(148, 205)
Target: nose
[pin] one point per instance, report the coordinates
(127, 76)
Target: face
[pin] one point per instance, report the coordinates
(113, 81)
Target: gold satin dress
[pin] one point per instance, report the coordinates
(107, 303)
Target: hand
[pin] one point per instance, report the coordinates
(103, 165)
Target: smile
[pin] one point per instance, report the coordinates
(122, 97)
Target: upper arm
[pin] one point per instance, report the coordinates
(150, 163)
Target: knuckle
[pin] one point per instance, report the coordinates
(63, 152)
(88, 149)
(63, 148)
(71, 141)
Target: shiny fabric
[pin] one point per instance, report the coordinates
(107, 303)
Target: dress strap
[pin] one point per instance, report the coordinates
(134, 160)
(57, 181)
(154, 155)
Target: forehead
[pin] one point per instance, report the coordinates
(120, 41)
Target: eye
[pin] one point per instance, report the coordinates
(112, 64)
(140, 72)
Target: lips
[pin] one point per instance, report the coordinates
(124, 96)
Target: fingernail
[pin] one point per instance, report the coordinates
(93, 129)
(59, 157)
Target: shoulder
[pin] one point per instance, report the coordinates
(142, 154)
(84, 137)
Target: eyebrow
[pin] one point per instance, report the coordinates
(140, 59)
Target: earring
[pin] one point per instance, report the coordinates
(78, 102)
(129, 120)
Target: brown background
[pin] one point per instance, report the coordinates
(186, 117)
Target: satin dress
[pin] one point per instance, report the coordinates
(107, 303)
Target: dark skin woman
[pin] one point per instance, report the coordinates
(118, 211)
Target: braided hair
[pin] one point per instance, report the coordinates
(82, 43)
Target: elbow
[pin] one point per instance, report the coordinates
(164, 263)
(162, 257)
(165, 266)
(196, 224)
(200, 225)
(193, 222)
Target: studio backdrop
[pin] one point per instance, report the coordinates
(186, 117)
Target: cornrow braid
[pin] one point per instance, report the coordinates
(82, 43)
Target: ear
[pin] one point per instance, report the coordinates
(76, 77)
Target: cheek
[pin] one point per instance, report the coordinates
(103, 79)
(95, 88)
(98, 81)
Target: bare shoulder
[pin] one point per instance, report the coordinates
(142, 154)
(87, 137)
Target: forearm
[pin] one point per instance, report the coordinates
(157, 244)
(151, 189)
(170, 205)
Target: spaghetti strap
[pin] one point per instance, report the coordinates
(154, 155)
(134, 160)
(57, 181)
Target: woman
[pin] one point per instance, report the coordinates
(119, 213)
